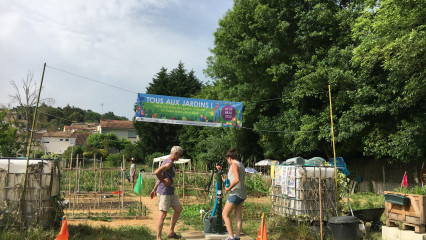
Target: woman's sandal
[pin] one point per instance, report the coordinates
(174, 236)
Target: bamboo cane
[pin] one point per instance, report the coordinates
(334, 146)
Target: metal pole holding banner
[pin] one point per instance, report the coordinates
(334, 146)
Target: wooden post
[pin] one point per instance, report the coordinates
(100, 175)
(100, 180)
(123, 171)
(183, 186)
(77, 177)
(94, 171)
(384, 178)
(69, 175)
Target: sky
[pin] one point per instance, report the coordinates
(119, 43)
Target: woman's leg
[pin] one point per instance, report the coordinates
(239, 217)
(226, 217)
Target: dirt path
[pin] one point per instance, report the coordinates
(150, 222)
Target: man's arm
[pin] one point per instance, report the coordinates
(159, 174)
(152, 194)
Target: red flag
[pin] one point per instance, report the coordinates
(63, 234)
(404, 180)
(262, 235)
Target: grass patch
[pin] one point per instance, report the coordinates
(80, 232)
(363, 200)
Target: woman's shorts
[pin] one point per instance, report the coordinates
(235, 200)
(167, 201)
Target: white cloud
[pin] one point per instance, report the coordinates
(123, 43)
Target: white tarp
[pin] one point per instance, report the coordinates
(267, 162)
(159, 160)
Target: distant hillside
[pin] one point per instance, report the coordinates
(54, 118)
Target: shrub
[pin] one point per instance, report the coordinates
(115, 159)
(257, 184)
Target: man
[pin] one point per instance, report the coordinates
(132, 172)
(166, 193)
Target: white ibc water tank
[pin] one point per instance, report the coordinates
(298, 188)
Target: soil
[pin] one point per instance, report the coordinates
(150, 221)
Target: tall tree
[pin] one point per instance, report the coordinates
(273, 56)
(25, 95)
(389, 107)
(156, 137)
(10, 142)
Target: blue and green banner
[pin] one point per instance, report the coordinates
(188, 111)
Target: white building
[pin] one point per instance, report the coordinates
(58, 142)
(120, 128)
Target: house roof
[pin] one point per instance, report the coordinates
(81, 139)
(59, 134)
(117, 124)
(81, 127)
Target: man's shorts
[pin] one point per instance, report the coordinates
(235, 200)
(167, 201)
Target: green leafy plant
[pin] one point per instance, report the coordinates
(415, 190)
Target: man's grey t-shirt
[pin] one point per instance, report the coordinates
(170, 174)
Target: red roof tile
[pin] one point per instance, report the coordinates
(116, 124)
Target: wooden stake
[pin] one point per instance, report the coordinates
(123, 171)
(69, 174)
(77, 177)
(94, 171)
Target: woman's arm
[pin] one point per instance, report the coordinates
(234, 167)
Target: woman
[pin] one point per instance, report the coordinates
(238, 194)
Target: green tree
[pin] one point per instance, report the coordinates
(389, 109)
(76, 117)
(9, 138)
(156, 137)
(112, 116)
(102, 144)
(91, 116)
(276, 57)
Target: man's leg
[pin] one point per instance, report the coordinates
(226, 217)
(160, 223)
(175, 217)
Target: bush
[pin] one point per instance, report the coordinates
(257, 184)
(115, 159)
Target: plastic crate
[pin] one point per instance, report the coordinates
(397, 199)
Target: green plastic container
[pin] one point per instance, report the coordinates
(397, 199)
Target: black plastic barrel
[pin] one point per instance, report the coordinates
(344, 227)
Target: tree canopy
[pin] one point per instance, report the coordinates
(178, 82)
(279, 57)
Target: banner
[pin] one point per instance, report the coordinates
(188, 111)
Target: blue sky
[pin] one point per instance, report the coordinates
(121, 43)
